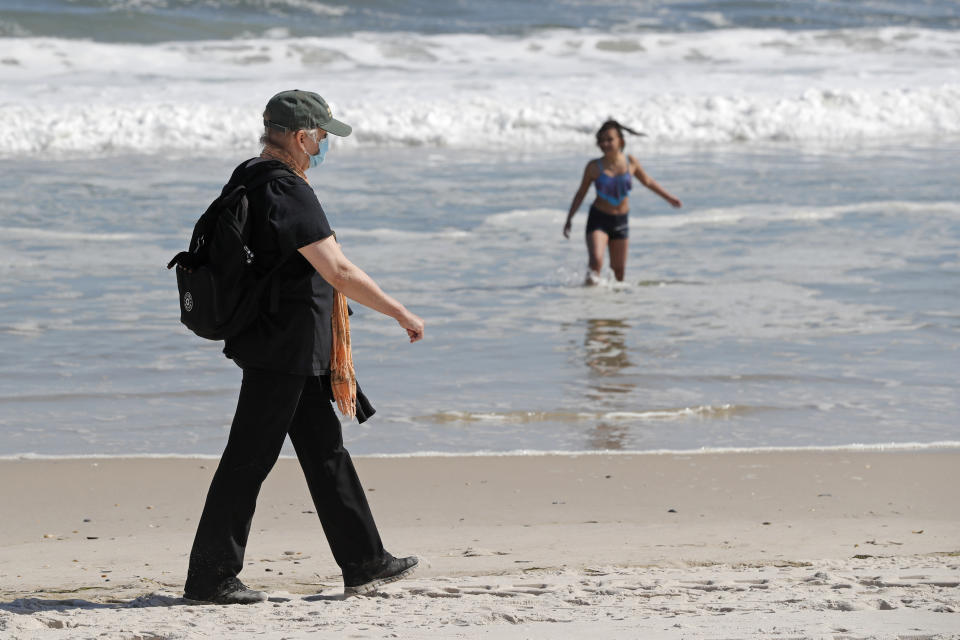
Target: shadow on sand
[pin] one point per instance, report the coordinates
(30, 606)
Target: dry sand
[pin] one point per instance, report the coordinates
(806, 544)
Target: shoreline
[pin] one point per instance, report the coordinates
(679, 537)
(880, 447)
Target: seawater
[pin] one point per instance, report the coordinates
(805, 296)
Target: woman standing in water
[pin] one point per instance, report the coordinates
(607, 223)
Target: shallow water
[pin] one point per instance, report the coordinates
(800, 298)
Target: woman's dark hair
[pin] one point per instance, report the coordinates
(613, 124)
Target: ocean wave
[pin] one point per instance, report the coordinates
(150, 20)
(816, 116)
(524, 417)
(753, 214)
(744, 214)
(311, 6)
(551, 89)
(743, 57)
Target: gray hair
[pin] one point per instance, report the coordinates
(277, 135)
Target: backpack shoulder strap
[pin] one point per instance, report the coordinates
(262, 178)
(258, 180)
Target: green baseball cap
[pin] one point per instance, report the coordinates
(294, 110)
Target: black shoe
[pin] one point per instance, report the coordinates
(230, 591)
(365, 580)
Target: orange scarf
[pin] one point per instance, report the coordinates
(342, 376)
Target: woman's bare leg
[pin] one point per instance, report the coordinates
(596, 247)
(618, 257)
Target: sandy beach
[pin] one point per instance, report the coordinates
(804, 544)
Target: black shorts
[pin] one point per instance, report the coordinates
(617, 227)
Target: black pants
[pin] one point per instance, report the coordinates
(270, 406)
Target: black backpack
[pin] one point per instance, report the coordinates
(220, 289)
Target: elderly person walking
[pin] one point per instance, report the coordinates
(286, 360)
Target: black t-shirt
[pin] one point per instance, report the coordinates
(294, 337)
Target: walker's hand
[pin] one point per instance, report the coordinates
(676, 203)
(566, 229)
(413, 324)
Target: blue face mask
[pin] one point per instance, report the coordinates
(317, 158)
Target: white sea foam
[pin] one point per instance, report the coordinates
(317, 8)
(468, 90)
(742, 215)
(524, 417)
(853, 447)
(760, 214)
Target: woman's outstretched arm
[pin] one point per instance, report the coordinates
(651, 184)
